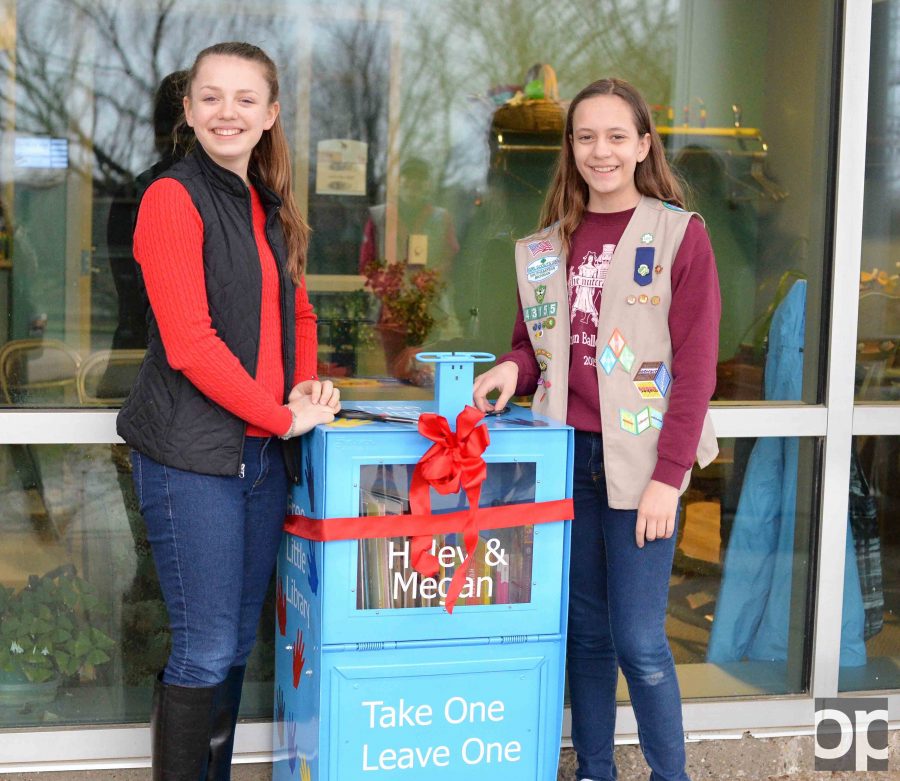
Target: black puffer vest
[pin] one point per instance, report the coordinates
(165, 416)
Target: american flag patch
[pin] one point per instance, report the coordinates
(539, 247)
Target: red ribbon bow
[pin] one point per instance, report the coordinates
(453, 461)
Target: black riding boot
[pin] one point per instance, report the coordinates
(224, 721)
(180, 730)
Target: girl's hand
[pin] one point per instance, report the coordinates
(656, 513)
(308, 415)
(318, 393)
(502, 377)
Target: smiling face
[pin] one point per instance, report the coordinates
(229, 107)
(607, 148)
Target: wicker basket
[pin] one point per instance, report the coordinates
(523, 115)
(529, 116)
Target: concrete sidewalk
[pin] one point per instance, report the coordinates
(744, 759)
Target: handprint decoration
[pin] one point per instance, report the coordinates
(292, 744)
(299, 660)
(313, 576)
(281, 607)
(279, 714)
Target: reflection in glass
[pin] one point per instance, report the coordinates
(764, 551)
(740, 580)
(72, 536)
(745, 114)
(369, 90)
(874, 509)
(878, 334)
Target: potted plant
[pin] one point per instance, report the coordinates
(46, 635)
(407, 317)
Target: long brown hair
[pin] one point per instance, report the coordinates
(271, 157)
(568, 195)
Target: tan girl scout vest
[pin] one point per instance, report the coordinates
(634, 349)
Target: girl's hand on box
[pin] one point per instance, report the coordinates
(318, 392)
(503, 378)
(308, 415)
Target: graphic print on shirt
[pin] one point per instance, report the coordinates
(585, 285)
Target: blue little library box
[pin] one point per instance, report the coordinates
(422, 593)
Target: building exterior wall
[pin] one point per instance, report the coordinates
(804, 189)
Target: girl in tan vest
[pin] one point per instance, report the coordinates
(617, 334)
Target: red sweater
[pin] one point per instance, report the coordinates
(693, 327)
(168, 244)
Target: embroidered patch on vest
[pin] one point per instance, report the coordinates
(672, 206)
(647, 238)
(652, 380)
(616, 341)
(608, 359)
(542, 268)
(641, 420)
(539, 312)
(616, 351)
(543, 359)
(539, 292)
(643, 264)
(540, 247)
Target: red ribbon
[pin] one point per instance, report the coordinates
(454, 461)
(369, 527)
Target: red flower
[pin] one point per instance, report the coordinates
(406, 296)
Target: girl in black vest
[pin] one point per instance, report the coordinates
(230, 367)
(613, 180)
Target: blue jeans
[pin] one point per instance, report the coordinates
(214, 541)
(617, 612)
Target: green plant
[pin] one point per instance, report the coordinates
(348, 316)
(406, 295)
(45, 630)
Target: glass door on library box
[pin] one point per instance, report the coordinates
(370, 591)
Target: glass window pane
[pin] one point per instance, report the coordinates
(434, 150)
(499, 572)
(878, 336)
(740, 581)
(83, 628)
(874, 559)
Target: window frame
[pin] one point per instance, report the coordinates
(835, 422)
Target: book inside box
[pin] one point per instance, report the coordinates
(499, 573)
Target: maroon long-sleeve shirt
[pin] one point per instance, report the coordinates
(693, 326)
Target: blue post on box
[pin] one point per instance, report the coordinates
(375, 679)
